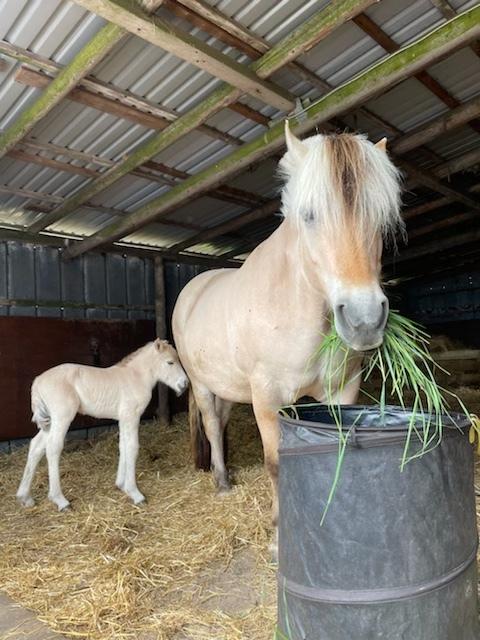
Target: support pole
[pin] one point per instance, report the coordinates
(163, 410)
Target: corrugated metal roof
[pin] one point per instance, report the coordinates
(58, 29)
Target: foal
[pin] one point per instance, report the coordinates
(121, 392)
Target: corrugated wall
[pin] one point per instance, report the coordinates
(35, 281)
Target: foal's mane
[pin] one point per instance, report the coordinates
(131, 356)
(340, 176)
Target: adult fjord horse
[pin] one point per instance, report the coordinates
(247, 335)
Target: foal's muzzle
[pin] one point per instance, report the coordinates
(361, 323)
(181, 386)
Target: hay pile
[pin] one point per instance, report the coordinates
(107, 569)
(187, 566)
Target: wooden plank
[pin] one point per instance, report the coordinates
(436, 127)
(431, 205)
(322, 23)
(460, 354)
(163, 408)
(384, 40)
(134, 106)
(389, 71)
(428, 180)
(80, 66)
(124, 248)
(168, 37)
(264, 211)
(53, 164)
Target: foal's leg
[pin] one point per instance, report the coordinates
(36, 451)
(213, 426)
(54, 447)
(122, 462)
(267, 421)
(129, 426)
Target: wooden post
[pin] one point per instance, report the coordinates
(163, 411)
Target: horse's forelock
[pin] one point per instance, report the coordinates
(341, 176)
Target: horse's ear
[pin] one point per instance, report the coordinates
(294, 145)
(159, 344)
(382, 145)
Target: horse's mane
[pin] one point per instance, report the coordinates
(342, 175)
(131, 356)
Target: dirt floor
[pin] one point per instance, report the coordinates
(187, 566)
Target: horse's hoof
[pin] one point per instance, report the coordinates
(63, 508)
(26, 501)
(139, 501)
(224, 490)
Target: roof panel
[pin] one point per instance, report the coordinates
(59, 29)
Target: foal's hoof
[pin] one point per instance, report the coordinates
(139, 500)
(26, 501)
(63, 508)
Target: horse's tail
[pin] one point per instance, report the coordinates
(200, 445)
(39, 409)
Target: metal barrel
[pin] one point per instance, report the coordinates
(395, 558)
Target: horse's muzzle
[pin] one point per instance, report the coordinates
(361, 327)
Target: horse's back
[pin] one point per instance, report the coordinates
(197, 288)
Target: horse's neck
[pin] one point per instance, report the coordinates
(280, 266)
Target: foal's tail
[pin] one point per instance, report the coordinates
(198, 439)
(39, 409)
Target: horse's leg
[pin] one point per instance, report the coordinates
(35, 454)
(212, 423)
(129, 425)
(122, 463)
(54, 447)
(266, 416)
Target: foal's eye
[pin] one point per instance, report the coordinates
(170, 362)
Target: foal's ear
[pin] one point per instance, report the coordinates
(382, 145)
(160, 344)
(294, 145)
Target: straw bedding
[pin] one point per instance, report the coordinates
(187, 566)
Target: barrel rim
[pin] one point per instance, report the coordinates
(455, 422)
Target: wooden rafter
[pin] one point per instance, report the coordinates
(315, 29)
(367, 25)
(156, 31)
(404, 143)
(105, 104)
(391, 70)
(66, 80)
(63, 241)
(153, 171)
(423, 134)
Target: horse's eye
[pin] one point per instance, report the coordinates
(170, 362)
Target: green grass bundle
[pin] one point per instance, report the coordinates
(407, 372)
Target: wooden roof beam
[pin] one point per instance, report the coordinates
(368, 26)
(80, 66)
(319, 26)
(130, 16)
(82, 63)
(118, 109)
(389, 71)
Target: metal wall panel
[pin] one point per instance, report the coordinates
(37, 273)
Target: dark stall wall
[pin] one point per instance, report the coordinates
(92, 310)
(447, 304)
(34, 280)
(29, 346)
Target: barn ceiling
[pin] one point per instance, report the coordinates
(101, 129)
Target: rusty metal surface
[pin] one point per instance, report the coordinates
(30, 345)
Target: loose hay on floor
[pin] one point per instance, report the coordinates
(107, 569)
(187, 566)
